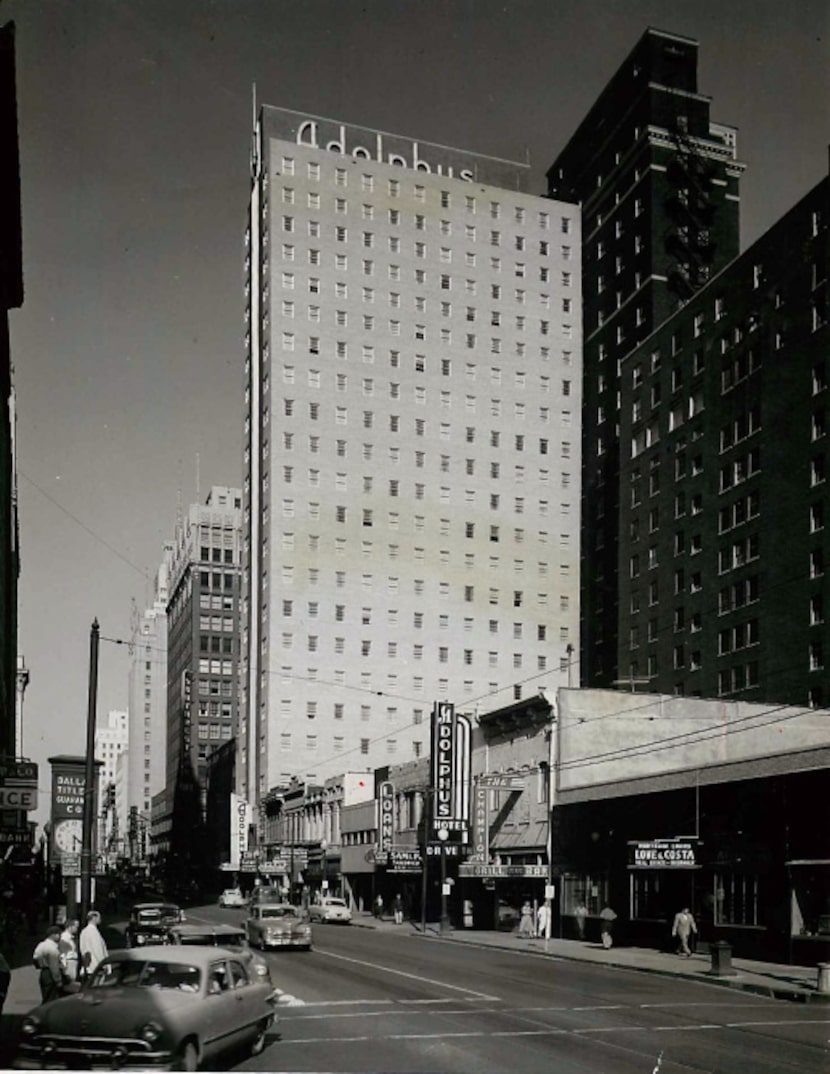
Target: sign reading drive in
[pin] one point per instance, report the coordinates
(450, 773)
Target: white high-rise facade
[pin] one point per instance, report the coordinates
(412, 456)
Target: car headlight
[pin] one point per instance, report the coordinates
(140, 939)
(150, 1031)
(31, 1025)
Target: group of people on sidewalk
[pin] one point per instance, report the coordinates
(64, 957)
(397, 908)
(684, 928)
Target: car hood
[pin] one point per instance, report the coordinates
(110, 1012)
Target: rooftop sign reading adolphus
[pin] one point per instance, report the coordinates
(364, 143)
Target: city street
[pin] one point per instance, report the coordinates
(396, 1001)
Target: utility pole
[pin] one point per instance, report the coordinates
(89, 778)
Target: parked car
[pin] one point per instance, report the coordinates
(278, 925)
(231, 897)
(159, 1008)
(508, 915)
(230, 937)
(149, 922)
(330, 909)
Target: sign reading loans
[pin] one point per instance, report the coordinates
(662, 854)
(450, 773)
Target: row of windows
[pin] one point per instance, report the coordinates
(517, 597)
(519, 269)
(418, 552)
(393, 189)
(419, 332)
(368, 516)
(338, 743)
(368, 385)
(312, 610)
(365, 649)
(213, 731)
(497, 292)
(520, 443)
(314, 230)
(367, 417)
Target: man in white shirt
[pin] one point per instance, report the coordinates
(91, 944)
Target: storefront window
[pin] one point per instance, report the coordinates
(810, 906)
(646, 896)
(579, 887)
(736, 899)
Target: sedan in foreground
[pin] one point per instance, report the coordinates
(278, 925)
(333, 909)
(157, 1008)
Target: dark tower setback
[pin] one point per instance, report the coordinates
(657, 181)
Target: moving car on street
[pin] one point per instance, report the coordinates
(278, 925)
(149, 922)
(230, 937)
(232, 897)
(330, 909)
(160, 1008)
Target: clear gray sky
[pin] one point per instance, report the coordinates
(135, 118)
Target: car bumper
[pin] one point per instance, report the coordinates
(91, 1053)
(286, 941)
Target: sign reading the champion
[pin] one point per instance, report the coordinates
(308, 134)
(450, 773)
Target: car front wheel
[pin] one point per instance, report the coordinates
(258, 1043)
(188, 1057)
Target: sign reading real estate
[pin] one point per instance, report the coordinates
(450, 773)
(662, 854)
(240, 815)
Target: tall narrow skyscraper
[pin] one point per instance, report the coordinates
(657, 181)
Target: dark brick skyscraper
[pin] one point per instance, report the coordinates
(658, 184)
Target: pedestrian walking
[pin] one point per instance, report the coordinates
(68, 947)
(542, 918)
(607, 917)
(684, 926)
(91, 945)
(379, 907)
(397, 908)
(580, 916)
(526, 920)
(47, 960)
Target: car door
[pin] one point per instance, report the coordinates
(219, 1011)
(247, 1001)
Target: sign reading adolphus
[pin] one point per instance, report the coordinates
(450, 773)
(662, 854)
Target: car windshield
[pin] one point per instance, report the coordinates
(132, 973)
(152, 915)
(334, 902)
(277, 911)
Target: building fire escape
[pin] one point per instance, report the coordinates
(689, 207)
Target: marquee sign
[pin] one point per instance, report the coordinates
(450, 773)
(662, 854)
(497, 871)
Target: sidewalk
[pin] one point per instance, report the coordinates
(772, 979)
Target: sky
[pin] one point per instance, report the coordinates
(134, 120)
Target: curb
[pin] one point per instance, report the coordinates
(792, 994)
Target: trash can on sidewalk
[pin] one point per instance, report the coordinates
(823, 981)
(721, 953)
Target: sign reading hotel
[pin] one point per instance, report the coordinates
(240, 817)
(380, 147)
(662, 854)
(450, 773)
